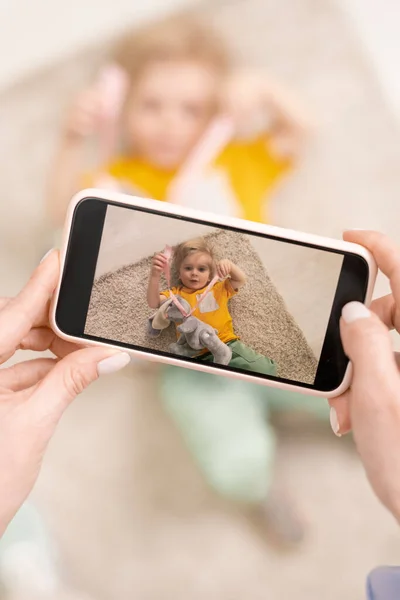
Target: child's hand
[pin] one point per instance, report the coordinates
(224, 268)
(243, 98)
(255, 101)
(84, 118)
(158, 265)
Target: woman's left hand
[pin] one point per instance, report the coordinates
(35, 393)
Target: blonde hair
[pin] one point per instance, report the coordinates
(197, 245)
(180, 37)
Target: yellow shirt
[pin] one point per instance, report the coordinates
(251, 169)
(213, 309)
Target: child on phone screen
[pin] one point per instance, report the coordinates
(181, 76)
(195, 265)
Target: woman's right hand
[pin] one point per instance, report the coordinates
(371, 407)
(158, 264)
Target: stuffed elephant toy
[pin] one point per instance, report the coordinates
(196, 336)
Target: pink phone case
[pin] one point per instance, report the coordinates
(213, 219)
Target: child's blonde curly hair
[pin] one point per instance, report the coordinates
(180, 37)
(194, 246)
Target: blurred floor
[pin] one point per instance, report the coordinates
(132, 515)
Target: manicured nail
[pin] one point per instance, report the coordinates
(334, 422)
(113, 363)
(353, 311)
(46, 255)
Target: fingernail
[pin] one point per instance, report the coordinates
(46, 255)
(334, 422)
(113, 363)
(353, 311)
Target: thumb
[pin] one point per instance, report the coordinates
(71, 376)
(367, 343)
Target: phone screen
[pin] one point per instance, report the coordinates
(222, 296)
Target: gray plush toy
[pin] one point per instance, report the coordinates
(196, 335)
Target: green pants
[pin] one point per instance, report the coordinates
(27, 530)
(246, 358)
(224, 423)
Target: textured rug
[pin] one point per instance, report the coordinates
(118, 310)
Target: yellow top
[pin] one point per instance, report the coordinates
(213, 309)
(250, 167)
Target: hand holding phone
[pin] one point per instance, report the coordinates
(279, 321)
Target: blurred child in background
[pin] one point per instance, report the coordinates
(180, 78)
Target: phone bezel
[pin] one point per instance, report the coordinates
(83, 237)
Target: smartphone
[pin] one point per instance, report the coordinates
(264, 302)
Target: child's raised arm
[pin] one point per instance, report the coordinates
(226, 268)
(82, 121)
(248, 93)
(154, 299)
(290, 126)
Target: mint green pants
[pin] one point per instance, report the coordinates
(224, 423)
(244, 357)
(26, 537)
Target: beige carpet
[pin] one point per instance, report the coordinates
(129, 511)
(118, 310)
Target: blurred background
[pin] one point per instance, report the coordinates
(128, 510)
